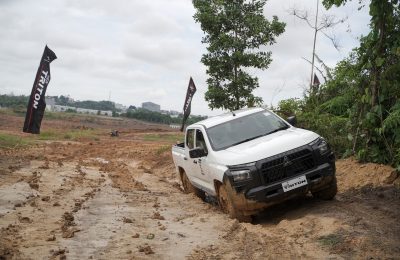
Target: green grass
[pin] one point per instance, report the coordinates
(58, 115)
(48, 135)
(72, 135)
(163, 149)
(10, 112)
(11, 141)
(330, 240)
(171, 138)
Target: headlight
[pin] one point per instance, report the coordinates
(320, 144)
(323, 147)
(240, 175)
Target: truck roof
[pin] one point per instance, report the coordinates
(216, 120)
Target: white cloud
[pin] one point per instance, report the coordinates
(147, 50)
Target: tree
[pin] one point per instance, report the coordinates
(234, 31)
(363, 95)
(321, 24)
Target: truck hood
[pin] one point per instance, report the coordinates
(265, 146)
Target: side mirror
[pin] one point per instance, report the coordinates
(292, 120)
(197, 153)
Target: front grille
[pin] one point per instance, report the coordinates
(277, 168)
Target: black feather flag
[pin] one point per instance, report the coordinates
(188, 101)
(37, 104)
(316, 80)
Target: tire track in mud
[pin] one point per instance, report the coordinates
(166, 223)
(40, 218)
(129, 205)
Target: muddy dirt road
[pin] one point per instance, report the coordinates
(98, 197)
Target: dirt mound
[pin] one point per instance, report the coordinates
(352, 174)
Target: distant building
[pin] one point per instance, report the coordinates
(59, 108)
(173, 112)
(94, 112)
(50, 103)
(120, 107)
(151, 106)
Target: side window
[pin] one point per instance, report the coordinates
(190, 138)
(200, 141)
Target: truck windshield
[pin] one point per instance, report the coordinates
(244, 129)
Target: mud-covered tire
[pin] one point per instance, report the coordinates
(189, 188)
(186, 184)
(199, 193)
(328, 193)
(228, 207)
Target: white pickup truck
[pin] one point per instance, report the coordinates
(251, 159)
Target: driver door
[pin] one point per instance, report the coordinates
(200, 165)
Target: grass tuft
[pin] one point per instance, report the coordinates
(163, 149)
(170, 138)
(330, 240)
(11, 141)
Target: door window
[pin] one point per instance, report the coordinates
(200, 141)
(190, 138)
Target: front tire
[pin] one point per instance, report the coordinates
(227, 205)
(328, 193)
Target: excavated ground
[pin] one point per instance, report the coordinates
(98, 197)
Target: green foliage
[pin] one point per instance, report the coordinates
(151, 116)
(73, 134)
(8, 141)
(15, 102)
(235, 31)
(170, 138)
(69, 110)
(333, 128)
(163, 149)
(95, 105)
(358, 109)
(331, 240)
(289, 107)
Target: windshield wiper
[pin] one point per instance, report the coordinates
(255, 137)
(278, 129)
(248, 139)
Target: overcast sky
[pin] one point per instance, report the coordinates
(146, 50)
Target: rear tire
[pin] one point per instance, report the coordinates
(228, 207)
(186, 184)
(189, 188)
(328, 193)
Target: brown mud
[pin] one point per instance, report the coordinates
(120, 198)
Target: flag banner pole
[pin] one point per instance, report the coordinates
(316, 80)
(37, 103)
(188, 102)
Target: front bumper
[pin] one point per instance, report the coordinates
(255, 194)
(317, 179)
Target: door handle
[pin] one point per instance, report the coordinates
(184, 158)
(194, 161)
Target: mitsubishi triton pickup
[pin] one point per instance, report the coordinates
(251, 159)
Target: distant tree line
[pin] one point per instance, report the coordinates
(88, 104)
(151, 116)
(19, 103)
(13, 101)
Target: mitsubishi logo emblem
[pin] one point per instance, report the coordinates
(286, 161)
